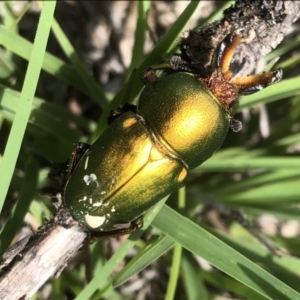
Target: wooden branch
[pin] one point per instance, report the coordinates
(262, 24)
(45, 255)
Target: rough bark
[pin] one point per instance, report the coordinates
(45, 255)
(262, 24)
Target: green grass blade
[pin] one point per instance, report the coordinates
(91, 85)
(242, 163)
(139, 38)
(154, 249)
(16, 218)
(51, 64)
(22, 115)
(9, 104)
(193, 281)
(227, 283)
(197, 240)
(174, 273)
(285, 268)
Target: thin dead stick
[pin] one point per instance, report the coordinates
(45, 255)
(263, 25)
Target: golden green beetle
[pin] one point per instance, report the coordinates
(147, 152)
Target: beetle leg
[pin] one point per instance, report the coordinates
(149, 75)
(60, 173)
(115, 114)
(176, 64)
(79, 149)
(254, 83)
(134, 225)
(245, 85)
(225, 53)
(235, 125)
(179, 64)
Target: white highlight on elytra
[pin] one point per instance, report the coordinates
(103, 193)
(97, 204)
(113, 181)
(83, 199)
(86, 163)
(94, 221)
(113, 209)
(90, 178)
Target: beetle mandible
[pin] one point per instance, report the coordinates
(147, 151)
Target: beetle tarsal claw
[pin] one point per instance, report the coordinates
(277, 76)
(235, 125)
(59, 201)
(122, 225)
(255, 83)
(177, 62)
